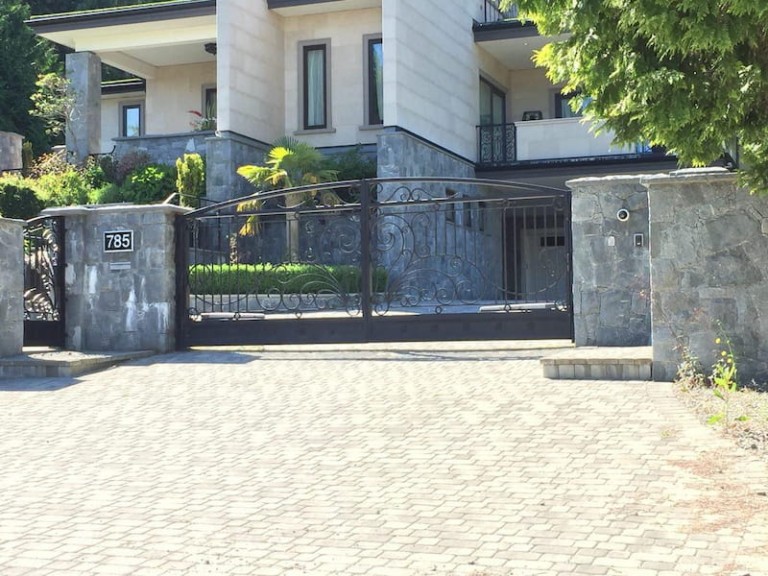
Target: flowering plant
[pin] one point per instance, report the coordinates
(202, 121)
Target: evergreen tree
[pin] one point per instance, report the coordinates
(23, 57)
(690, 75)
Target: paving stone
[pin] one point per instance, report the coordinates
(366, 461)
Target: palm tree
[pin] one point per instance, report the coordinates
(290, 163)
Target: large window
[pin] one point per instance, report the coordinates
(491, 104)
(374, 81)
(131, 120)
(314, 58)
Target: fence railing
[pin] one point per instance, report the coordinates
(492, 12)
(497, 144)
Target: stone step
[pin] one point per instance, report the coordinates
(55, 363)
(600, 363)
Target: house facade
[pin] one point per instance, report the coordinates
(430, 87)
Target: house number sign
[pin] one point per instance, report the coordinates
(118, 241)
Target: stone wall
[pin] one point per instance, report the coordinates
(435, 241)
(165, 149)
(11, 287)
(226, 153)
(709, 241)
(123, 301)
(10, 151)
(611, 273)
(401, 154)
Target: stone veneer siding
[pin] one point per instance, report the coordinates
(432, 263)
(226, 153)
(11, 287)
(165, 149)
(611, 276)
(123, 301)
(401, 154)
(709, 270)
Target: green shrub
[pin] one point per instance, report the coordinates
(18, 199)
(352, 165)
(190, 179)
(128, 164)
(94, 173)
(68, 188)
(150, 183)
(284, 278)
(107, 194)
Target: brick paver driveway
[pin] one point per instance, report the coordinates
(367, 462)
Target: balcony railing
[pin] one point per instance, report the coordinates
(498, 144)
(501, 145)
(493, 13)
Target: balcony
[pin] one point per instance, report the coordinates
(492, 12)
(555, 140)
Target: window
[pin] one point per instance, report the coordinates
(314, 59)
(374, 89)
(210, 101)
(131, 120)
(492, 104)
(563, 105)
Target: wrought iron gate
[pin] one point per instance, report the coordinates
(377, 260)
(44, 282)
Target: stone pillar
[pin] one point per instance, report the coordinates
(709, 270)
(11, 287)
(611, 267)
(83, 134)
(120, 301)
(225, 153)
(10, 151)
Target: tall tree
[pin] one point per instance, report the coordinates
(23, 57)
(691, 75)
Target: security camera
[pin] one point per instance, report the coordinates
(622, 215)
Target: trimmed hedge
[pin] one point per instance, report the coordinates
(278, 279)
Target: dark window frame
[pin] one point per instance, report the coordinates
(372, 116)
(125, 107)
(494, 91)
(306, 49)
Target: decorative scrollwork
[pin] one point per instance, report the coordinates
(42, 251)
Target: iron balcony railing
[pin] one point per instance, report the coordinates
(492, 12)
(497, 144)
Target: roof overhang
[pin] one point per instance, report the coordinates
(512, 42)
(137, 39)
(304, 7)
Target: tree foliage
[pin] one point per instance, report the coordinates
(23, 57)
(690, 75)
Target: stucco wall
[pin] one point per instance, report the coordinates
(11, 287)
(611, 275)
(345, 31)
(110, 117)
(709, 239)
(172, 93)
(431, 79)
(563, 138)
(250, 70)
(121, 301)
(529, 90)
